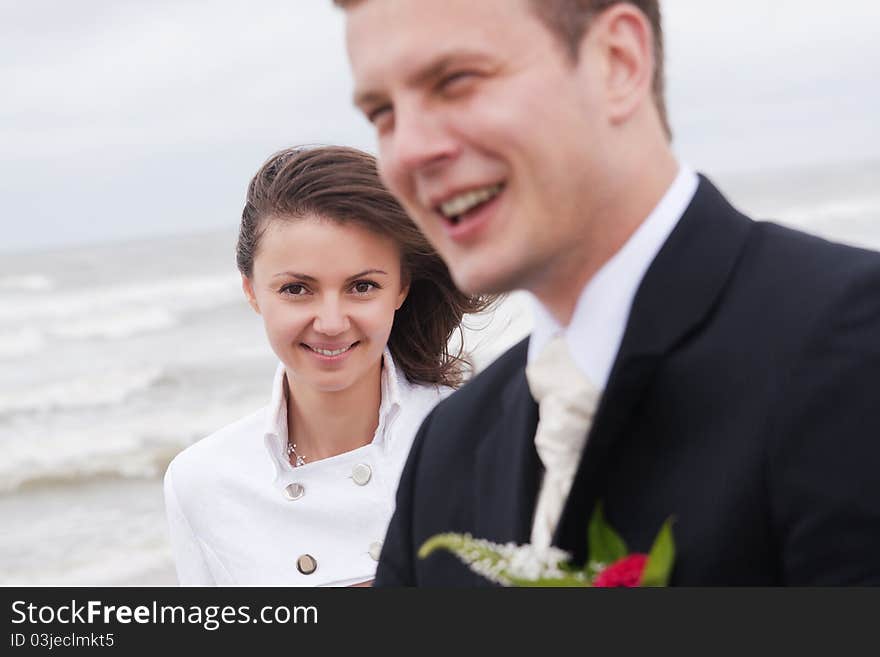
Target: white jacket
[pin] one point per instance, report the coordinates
(240, 514)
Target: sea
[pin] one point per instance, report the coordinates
(114, 357)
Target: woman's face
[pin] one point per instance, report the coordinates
(327, 293)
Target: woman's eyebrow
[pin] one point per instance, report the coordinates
(368, 272)
(294, 274)
(312, 279)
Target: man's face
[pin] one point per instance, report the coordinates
(489, 134)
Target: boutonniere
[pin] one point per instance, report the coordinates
(610, 562)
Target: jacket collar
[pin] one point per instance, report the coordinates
(508, 466)
(678, 293)
(393, 387)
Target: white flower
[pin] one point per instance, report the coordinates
(531, 563)
(508, 564)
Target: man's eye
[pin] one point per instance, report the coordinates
(294, 289)
(383, 121)
(380, 114)
(455, 80)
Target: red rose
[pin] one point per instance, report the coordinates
(625, 572)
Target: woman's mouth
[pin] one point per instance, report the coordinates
(328, 352)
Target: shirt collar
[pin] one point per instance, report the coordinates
(391, 385)
(275, 428)
(600, 316)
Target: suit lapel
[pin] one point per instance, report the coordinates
(676, 295)
(508, 466)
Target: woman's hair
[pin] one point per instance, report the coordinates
(342, 184)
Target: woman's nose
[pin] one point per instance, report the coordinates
(331, 318)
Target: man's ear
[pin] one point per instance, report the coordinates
(626, 42)
(248, 287)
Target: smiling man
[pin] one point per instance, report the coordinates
(689, 361)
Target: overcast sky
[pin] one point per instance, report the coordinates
(124, 118)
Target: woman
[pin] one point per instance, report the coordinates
(359, 310)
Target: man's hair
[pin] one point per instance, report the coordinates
(569, 20)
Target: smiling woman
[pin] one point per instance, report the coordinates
(328, 294)
(359, 310)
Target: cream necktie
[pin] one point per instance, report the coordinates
(567, 402)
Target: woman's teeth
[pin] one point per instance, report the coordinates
(330, 352)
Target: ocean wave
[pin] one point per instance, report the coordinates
(105, 388)
(133, 465)
(21, 342)
(79, 458)
(126, 565)
(115, 325)
(172, 296)
(137, 447)
(28, 323)
(26, 283)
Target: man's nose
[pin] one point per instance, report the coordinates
(331, 317)
(420, 142)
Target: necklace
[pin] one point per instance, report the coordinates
(298, 460)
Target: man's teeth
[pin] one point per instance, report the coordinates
(330, 352)
(460, 204)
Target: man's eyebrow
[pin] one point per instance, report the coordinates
(438, 67)
(364, 99)
(424, 75)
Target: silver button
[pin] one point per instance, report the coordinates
(306, 564)
(361, 474)
(376, 550)
(294, 492)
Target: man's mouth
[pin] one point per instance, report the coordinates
(460, 205)
(330, 352)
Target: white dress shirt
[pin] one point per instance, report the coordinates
(239, 513)
(596, 329)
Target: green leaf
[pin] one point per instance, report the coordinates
(605, 545)
(469, 550)
(464, 546)
(451, 542)
(661, 558)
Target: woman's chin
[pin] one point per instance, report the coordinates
(320, 381)
(330, 377)
(332, 385)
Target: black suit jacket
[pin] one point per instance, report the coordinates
(744, 401)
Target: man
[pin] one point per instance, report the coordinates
(733, 363)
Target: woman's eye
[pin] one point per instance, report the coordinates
(294, 289)
(364, 287)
